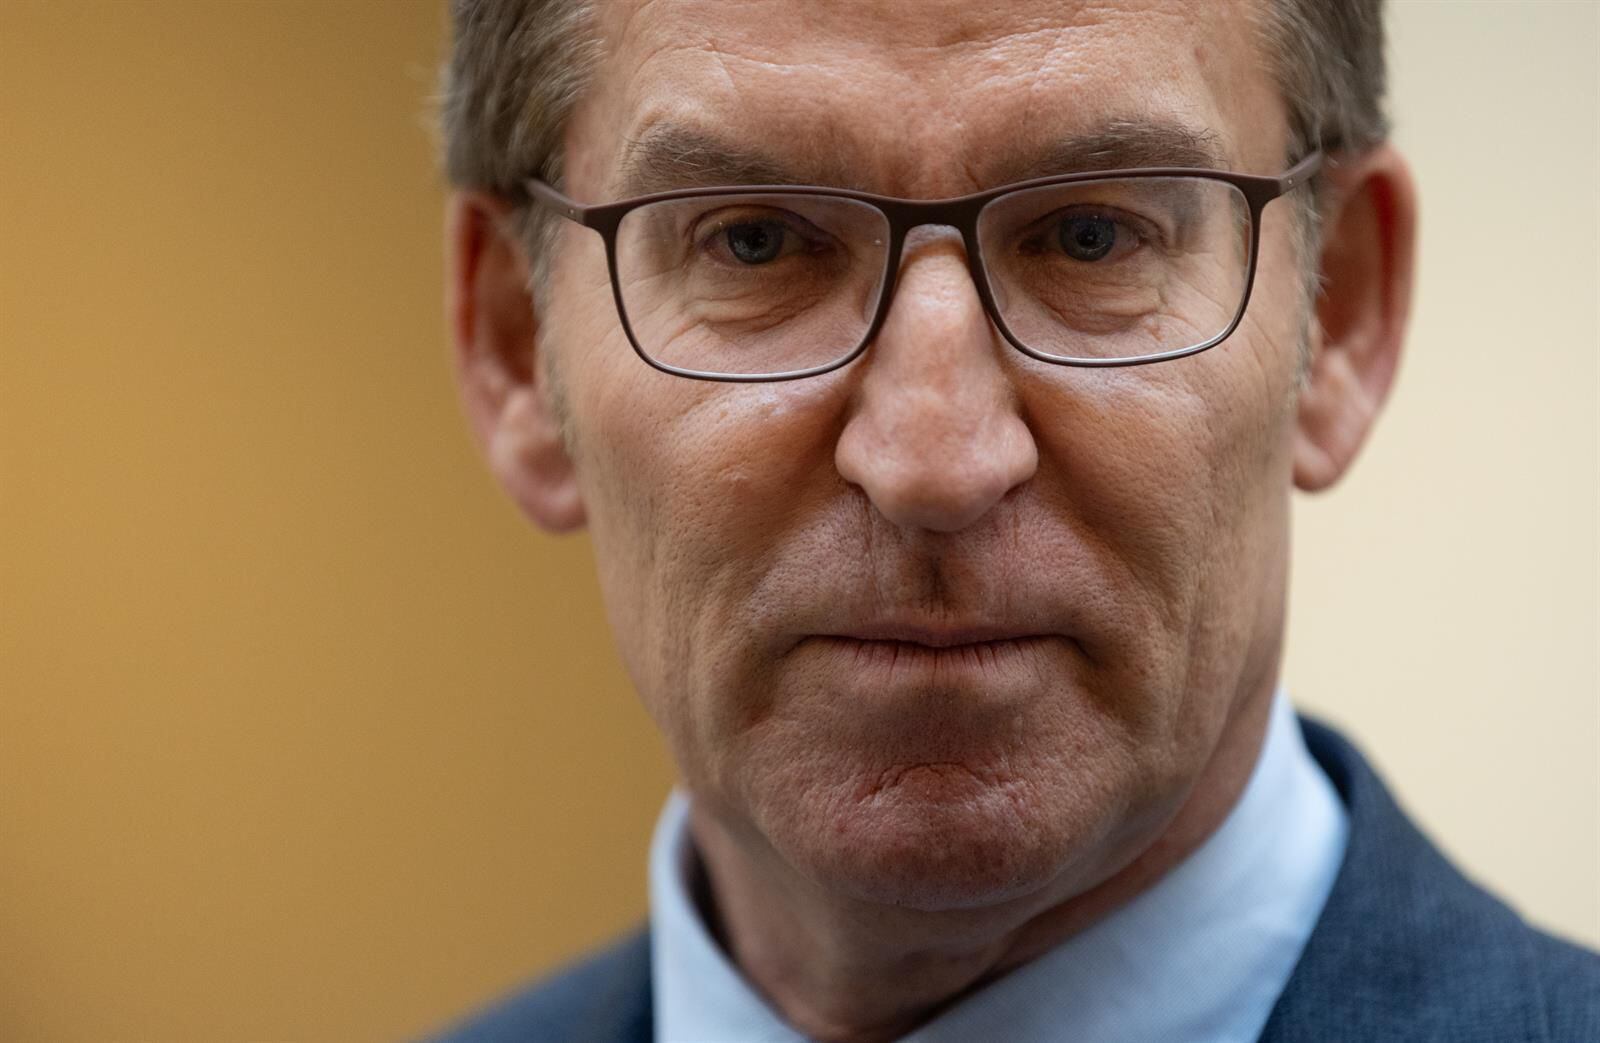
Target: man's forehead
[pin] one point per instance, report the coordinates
(925, 97)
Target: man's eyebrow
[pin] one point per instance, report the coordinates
(1117, 145)
(672, 156)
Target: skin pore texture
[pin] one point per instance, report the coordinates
(956, 651)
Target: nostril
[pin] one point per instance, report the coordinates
(934, 483)
(946, 506)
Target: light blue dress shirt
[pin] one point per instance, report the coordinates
(1202, 955)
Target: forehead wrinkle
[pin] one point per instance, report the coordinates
(815, 137)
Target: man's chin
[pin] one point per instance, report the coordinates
(933, 837)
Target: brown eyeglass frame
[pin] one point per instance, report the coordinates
(903, 215)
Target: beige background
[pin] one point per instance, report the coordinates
(305, 735)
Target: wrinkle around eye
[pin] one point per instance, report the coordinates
(788, 275)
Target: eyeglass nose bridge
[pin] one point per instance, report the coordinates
(905, 216)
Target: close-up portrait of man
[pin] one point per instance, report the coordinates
(932, 380)
(800, 521)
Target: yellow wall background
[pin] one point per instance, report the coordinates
(306, 735)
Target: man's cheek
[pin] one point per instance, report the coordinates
(1133, 455)
(680, 499)
(734, 466)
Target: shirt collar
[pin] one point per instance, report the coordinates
(1202, 954)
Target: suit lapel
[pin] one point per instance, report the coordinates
(1406, 948)
(621, 1010)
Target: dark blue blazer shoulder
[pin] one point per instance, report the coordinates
(1407, 949)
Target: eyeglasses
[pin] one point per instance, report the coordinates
(764, 283)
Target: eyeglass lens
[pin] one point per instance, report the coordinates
(751, 284)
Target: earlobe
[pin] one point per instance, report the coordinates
(1368, 244)
(503, 387)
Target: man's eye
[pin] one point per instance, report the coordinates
(751, 240)
(1091, 237)
(755, 242)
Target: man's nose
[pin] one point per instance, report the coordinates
(935, 438)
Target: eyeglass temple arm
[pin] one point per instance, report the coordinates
(1301, 172)
(547, 196)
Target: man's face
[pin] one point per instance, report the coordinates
(949, 626)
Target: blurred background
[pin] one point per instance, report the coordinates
(306, 735)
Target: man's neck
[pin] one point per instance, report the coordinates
(844, 971)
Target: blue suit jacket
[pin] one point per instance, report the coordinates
(1407, 949)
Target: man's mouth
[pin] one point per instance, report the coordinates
(933, 636)
(938, 654)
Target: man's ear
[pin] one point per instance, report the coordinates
(1368, 242)
(493, 326)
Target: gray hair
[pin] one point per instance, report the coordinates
(516, 71)
(1329, 61)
